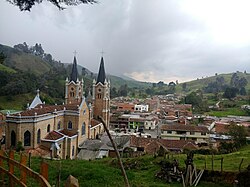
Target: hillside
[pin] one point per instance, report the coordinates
(201, 83)
(23, 61)
(26, 68)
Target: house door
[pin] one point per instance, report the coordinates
(13, 139)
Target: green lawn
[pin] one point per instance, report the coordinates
(141, 171)
(228, 111)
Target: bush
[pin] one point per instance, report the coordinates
(19, 146)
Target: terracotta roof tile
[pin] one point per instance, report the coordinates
(40, 151)
(150, 144)
(68, 132)
(177, 127)
(53, 135)
(45, 109)
(94, 122)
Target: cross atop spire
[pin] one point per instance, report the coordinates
(75, 53)
(102, 52)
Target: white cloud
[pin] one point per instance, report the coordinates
(148, 40)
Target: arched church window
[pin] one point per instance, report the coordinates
(99, 96)
(72, 94)
(39, 136)
(83, 128)
(73, 151)
(59, 125)
(48, 128)
(27, 137)
(13, 138)
(69, 125)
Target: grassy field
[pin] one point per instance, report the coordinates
(141, 171)
(16, 102)
(228, 111)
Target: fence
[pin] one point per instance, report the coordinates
(24, 171)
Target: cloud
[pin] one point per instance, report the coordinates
(148, 40)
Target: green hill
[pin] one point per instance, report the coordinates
(201, 83)
(19, 60)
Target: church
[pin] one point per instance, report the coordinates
(58, 130)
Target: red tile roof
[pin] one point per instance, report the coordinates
(40, 151)
(221, 128)
(177, 127)
(150, 144)
(94, 122)
(45, 109)
(53, 135)
(68, 132)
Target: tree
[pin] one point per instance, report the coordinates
(184, 86)
(238, 134)
(2, 57)
(230, 92)
(25, 5)
(234, 80)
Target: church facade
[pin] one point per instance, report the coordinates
(58, 130)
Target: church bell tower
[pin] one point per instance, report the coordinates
(73, 87)
(101, 95)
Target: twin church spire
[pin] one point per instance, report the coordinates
(74, 91)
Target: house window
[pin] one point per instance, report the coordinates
(59, 125)
(38, 136)
(48, 128)
(203, 133)
(169, 132)
(27, 137)
(191, 133)
(69, 125)
(83, 128)
(84, 111)
(180, 132)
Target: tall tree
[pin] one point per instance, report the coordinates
(2, 57)
(238, 134)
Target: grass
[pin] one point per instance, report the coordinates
(228, 111)
(6, 69)
(16, 102)
(141, 171)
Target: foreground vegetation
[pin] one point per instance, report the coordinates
(141, 171)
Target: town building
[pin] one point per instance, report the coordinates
(199, 134)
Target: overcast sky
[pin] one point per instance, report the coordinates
(148, 40)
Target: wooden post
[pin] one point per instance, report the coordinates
(1, 165)
(117, 153)
(11, 168)
(221, 164)
(44, 170)
(23, 174)
(212, 162)
(29, 159)
(241, 164)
